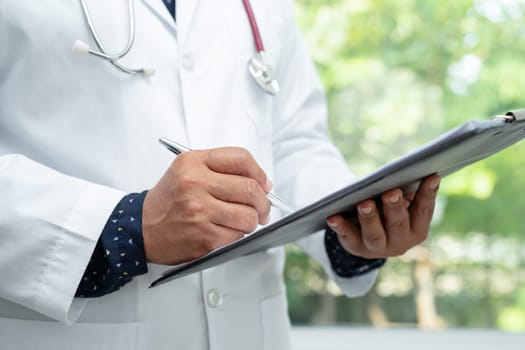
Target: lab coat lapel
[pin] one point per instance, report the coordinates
(185, 12)
(159, 9)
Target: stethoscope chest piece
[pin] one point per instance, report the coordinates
(259, 69)
(263, 75)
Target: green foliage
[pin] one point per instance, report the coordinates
(512, 318)
(397, 74)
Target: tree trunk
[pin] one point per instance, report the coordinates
(327, 312)
(377, 316)
(427, 317)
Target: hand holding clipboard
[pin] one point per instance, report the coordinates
(466, 144)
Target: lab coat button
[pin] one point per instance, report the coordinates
(214, 298)
(187, 63)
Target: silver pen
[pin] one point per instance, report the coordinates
(177, 148)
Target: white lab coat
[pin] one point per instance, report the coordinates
(76, 135)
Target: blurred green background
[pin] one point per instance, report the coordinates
(398, 73)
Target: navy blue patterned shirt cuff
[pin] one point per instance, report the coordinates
(345, 264)
(119, 254)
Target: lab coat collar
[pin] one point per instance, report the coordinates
(185, 11)
(159, 9)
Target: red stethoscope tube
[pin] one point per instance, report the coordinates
(258, 68)
(255, 28)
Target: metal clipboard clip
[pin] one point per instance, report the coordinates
(512, 116)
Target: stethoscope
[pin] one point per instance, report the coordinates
(259, 69)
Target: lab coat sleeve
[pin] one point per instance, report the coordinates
(307, 164)
(49, 226)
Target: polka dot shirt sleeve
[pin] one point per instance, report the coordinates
(119, 254)
(345, 264)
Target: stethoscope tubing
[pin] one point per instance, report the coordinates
(253, 24)
(258, 68)
(102, 53)
(98, 42)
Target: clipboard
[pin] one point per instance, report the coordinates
(468, 143)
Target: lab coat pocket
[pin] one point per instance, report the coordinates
(275, 323)
(35, 335)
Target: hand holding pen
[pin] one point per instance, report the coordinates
(206, 199)
(177, 149)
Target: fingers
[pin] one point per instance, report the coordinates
(368, 240)
(348, 234)
(422, 207)
(400, 223)
(236, 161)
(197, 244)
(372, 231)
(206, 199)
(379, 234)
(396, 217)
(241, 190)
(221, 236)
(409, 197)
(229, 174)
(235, 216)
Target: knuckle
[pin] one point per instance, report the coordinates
(396, 225)
(267, 207)
(236, 236)
(243, 154)
(375, 240)
(251, 220)
(207, 244)
(421, 237)
(186, 182)
(239, 156)
(184, 157)
(193, 208)
(424, 211)
(400, 251)
(251, 187)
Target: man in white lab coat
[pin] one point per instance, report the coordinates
(79, 150)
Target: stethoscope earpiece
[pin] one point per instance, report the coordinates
(81, 47)
(148, 72)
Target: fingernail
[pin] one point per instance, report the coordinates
(332, 223)
(393, 198)
(434, 183)
(366, 209)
